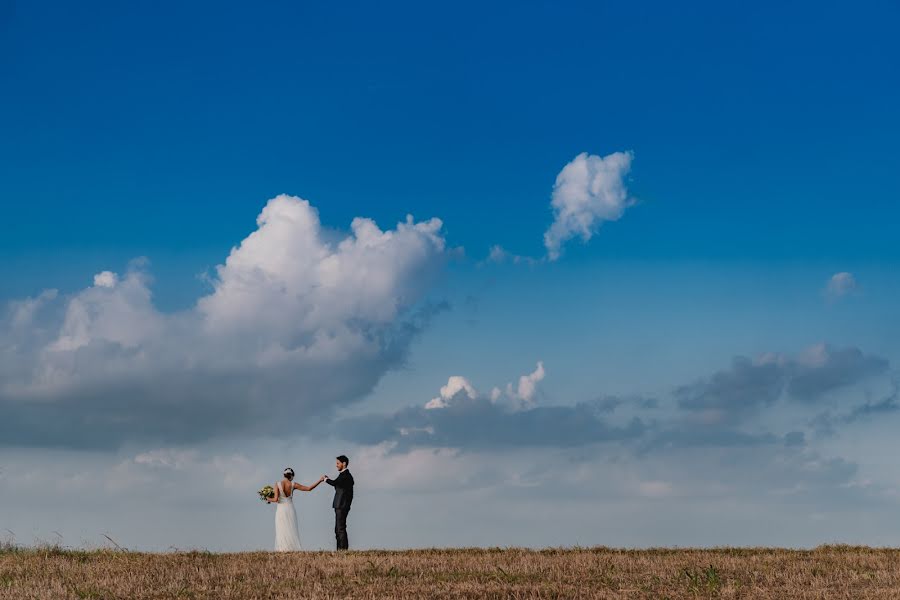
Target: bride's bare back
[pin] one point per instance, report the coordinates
(287, 533)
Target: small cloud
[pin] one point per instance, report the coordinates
(457, 387)
(106, 279)
(588, 191)
(459, 390)
(841, 284)
(500, 255)
(528, 385)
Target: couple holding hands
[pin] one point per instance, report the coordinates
(287, 532)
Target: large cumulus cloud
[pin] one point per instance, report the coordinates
(300, 320)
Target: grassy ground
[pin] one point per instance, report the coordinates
(826, 572)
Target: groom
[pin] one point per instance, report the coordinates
(343, 498)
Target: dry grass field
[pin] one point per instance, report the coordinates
(826, 572)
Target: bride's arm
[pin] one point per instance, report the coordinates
(274, 499)
(308, 488)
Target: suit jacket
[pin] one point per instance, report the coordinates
(343, 490)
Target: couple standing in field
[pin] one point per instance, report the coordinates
(287, 532)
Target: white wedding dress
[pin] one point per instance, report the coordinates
(287, 533)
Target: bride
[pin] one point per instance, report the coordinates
(287, 534)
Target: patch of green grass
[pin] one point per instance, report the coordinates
(706, 579)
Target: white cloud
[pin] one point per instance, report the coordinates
(528, 384)
(841, 284)
(588, 191)
(118, 313)
(456, 385)
(287, 280)
(459, 389)
(499, 254)
(22, 312)
(522, 396)
(297, 323)
(106, 279)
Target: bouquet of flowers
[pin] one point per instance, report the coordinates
(266, 492)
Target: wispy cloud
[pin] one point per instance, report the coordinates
(840, 285)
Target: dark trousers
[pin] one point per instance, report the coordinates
(340, 528)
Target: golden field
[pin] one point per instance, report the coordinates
(826, 572)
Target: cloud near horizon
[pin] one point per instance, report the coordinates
(726, 409)
(289, 306)
(301, 322)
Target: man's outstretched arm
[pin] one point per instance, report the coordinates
(340, 482)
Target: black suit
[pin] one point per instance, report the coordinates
(343, 498)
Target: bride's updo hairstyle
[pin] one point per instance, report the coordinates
(289, 474)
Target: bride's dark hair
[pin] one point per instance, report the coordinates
(289, 474)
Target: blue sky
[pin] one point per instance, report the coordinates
(764, 163)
